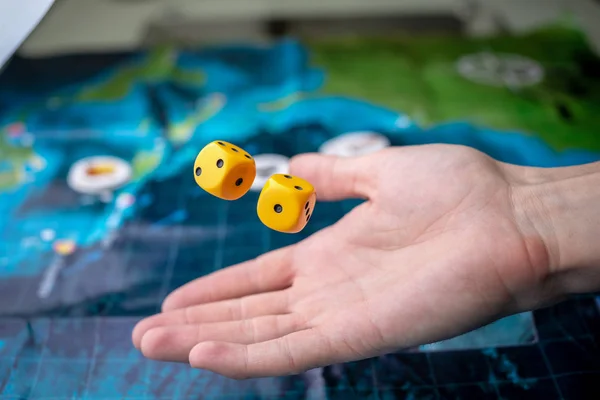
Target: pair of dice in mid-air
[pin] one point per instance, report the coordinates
(227, 171)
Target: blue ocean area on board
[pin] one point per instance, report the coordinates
(82, 257)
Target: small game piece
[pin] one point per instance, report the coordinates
(286, 203)
(224, 170)
(267, 165)
(99, 174)
(354, 144)
(64, 247)
(512, 71)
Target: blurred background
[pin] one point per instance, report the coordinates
(105, 105)
(81, 25)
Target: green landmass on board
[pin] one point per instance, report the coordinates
(417, 75)
(159, 66)
(14, 159)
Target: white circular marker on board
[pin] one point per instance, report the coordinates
(267, 165)
(98, 175)
(353, 144)
(500, 69)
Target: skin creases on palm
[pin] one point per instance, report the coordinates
(435, 251)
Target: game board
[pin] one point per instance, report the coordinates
(82, 261)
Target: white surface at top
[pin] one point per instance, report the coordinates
(17, 19)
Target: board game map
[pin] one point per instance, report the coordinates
(82, 260)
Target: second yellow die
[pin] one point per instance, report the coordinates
(286, 203)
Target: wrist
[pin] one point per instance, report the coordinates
(561, 207)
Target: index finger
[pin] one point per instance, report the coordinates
(335, 178)
(269, 272)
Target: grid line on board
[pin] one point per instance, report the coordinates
(548, 364)
(223, 211)
(168, 273)
(375, 388)
(40, 362)
(224, 396)
(433, 375)
(93, 359)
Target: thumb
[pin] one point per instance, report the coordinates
(335, 178)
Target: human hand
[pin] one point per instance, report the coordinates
(441, 246)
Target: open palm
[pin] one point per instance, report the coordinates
(437, 249)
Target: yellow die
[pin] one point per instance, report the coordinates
(286, 203)
(224, 170)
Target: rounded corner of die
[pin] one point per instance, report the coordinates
(197, 181)
(250, 183)
(251, 165)
(234, 197)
